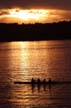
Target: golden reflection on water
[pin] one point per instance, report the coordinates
(24, 60)
(22, 56)
(18, 59)
(37, 59)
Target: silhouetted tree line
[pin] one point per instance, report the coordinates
(37, 31)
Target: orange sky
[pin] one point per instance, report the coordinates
(17, 15)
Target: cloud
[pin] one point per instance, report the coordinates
(55, 4)
(44, 16)
(4, 12)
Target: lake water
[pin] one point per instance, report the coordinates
(22, 61)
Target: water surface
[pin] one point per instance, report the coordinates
(20, 61)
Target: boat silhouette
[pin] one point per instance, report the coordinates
(38, 82)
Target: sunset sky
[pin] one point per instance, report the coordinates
(32, 11)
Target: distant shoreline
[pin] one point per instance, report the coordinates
(35, 32)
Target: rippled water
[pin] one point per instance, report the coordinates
(20, 61)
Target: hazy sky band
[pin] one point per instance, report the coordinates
(54, 4)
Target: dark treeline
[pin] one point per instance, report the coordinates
(23, 32)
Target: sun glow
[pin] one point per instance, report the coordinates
(27, 15)
(18, 15)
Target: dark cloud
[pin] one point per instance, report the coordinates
(4, 13)
(56, 4)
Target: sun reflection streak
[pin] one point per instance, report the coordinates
(18, 60)
(24, 59)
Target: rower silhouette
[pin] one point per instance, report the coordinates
(44, 84)
(38, 84)
(49, 81)
(33, 84)
(33, 81)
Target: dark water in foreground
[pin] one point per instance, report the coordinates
(20, 61)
